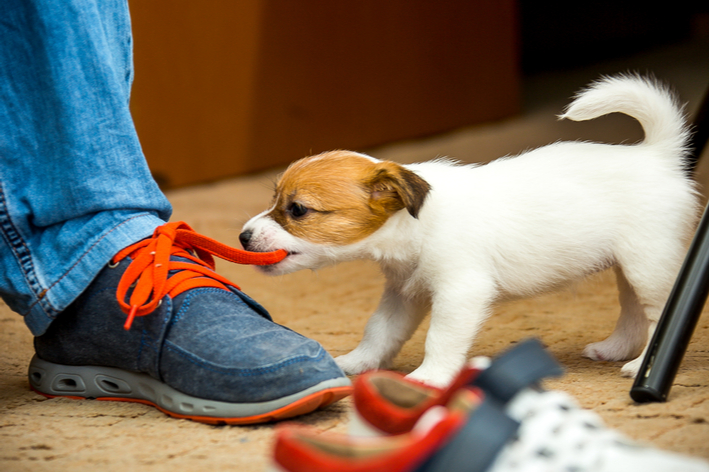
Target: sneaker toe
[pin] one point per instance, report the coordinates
(217, 346)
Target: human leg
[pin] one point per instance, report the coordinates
(75, 190)
(74, 185)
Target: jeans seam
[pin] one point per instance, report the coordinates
(240, 372)
(88, 250)
(22, 255)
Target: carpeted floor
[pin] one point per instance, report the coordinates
(333, 305)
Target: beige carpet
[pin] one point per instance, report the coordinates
(333, 305)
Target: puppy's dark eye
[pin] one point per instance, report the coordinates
(297, 210)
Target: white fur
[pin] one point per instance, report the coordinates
(520, 226)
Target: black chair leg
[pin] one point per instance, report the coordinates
(677, 323)
(686, 301)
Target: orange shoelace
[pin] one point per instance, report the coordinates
(151, 264)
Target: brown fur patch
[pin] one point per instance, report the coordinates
(347, 196)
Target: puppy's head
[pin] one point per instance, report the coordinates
(326, 203)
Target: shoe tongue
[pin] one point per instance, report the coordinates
(180, 259)
(231, 287)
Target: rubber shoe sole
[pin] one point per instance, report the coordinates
(111, 384)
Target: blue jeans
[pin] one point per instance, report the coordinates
(74, 184)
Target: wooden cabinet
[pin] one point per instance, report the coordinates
(227, 87)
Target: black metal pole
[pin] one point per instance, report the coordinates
(677, 323)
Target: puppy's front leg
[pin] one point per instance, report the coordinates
(459, 309)
(389, 327)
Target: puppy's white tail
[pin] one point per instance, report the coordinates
(649, 102)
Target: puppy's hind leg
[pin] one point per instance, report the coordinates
(389, 327)
(631, 329)
(653, 297)
(652, 277)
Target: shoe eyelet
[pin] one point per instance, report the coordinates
(112, 265)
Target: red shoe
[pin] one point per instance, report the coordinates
(552, 434)
(387, 403)
(467, 431)
(532, 431)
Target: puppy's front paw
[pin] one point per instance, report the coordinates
(631, 369)
(591, 352)
(432, 378)
(607, 350)
(353, 363)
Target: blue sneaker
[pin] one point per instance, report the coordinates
(188, 341)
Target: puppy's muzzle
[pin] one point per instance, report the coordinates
(244, 238)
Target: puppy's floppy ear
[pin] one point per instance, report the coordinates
(393, 187)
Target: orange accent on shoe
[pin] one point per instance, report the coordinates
(151, 265)
(307, 404)
(300, 448)
(131, 317)
(391, 418)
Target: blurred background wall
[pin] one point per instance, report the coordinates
(229, 87)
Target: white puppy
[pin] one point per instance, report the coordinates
(453, 239)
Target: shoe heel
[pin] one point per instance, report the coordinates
(56, 383)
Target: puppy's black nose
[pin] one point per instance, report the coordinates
(245, 237)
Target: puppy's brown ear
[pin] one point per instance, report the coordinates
(393, 187)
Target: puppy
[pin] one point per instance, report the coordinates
(453, 239)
